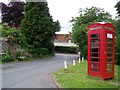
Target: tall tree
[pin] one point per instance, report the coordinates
(117, 35)
(13, 13)
(80, 25)
(38, 27)
(117, 6)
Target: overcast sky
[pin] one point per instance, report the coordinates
(63, 10)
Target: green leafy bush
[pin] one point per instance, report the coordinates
(7, 57)
(20, 56)
(38, 52)
(44, 51)
(64, 49)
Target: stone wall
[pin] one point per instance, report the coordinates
(6, 47)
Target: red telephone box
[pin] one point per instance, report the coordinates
(101, 50)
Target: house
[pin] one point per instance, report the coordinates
(63, 40)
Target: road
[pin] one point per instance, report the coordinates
(34, 74)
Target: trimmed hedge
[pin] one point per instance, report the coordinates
(65, 49)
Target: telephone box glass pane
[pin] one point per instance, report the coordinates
(109, 59)
(95, 67)
(109, 40)
(95, 59)
(94, 35)
(109, 45)
(95, 50)
(94, 54)
(95, 45)
(109, 67)
(109, 49)
(95, 40)
(109, 54)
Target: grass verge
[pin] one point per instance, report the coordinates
(76, 77)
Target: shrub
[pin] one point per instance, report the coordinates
(20, 56)
(38, 52)
(64, 49)
(7, 57)
(44, 51)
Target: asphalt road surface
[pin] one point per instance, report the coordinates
(34, 74)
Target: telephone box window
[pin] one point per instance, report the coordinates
(95, 67)
(95, 35)
(109, 49)
(95, 59)
(94, 54)
(109, 59)
(95, 45)
(94, 49)
(109, 44)
(109, 54)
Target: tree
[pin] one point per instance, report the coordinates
(117, 6)
(117, 35)
(13, 13)
(38, 27)
(80, 25)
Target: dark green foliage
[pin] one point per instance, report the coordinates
(80, 25)
(38, 52)
(64, 49)
(117, 35)
(44, 51)
(38, 27)
(117, 58)
(117, 49)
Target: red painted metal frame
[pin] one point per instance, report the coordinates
(102, 29)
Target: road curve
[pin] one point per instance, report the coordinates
(34, 74)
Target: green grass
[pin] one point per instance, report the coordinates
(76, 77)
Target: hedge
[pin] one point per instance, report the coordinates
(65, 49)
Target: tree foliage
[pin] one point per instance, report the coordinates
(38, 27)
(80, 25)
(13, 13)
(13, 35)
(117, 35)
(117, 6)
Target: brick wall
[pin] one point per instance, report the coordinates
(62, 38)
